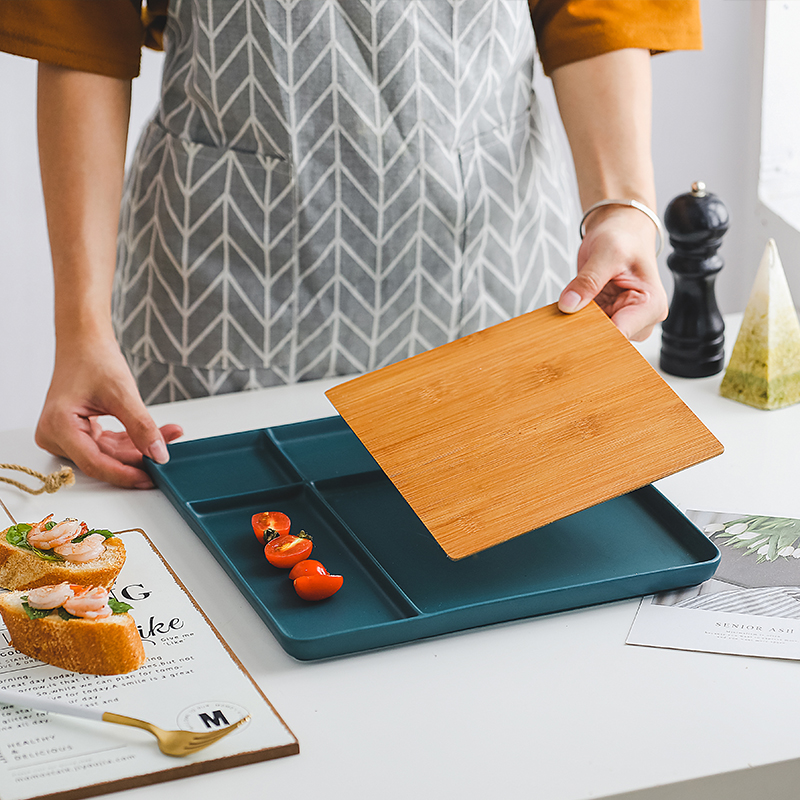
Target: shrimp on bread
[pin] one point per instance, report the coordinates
(75, 627)
(46, 553)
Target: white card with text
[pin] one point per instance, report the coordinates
(752, 604)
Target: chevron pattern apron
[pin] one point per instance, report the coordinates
(328, 186)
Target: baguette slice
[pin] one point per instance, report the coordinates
(21, 569)
(109, 646)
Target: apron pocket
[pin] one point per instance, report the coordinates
(207, 255)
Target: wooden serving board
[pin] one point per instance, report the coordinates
(505, 430)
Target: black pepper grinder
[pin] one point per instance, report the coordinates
(693, 334)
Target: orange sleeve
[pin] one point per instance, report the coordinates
(102, 36)
(572, 30)
(154, 19)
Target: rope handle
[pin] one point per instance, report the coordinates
(50, 483)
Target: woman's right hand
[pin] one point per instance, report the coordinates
(90, 382)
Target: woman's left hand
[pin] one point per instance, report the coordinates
(605, 103)
(617, 269)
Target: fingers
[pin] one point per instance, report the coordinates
(633, 306)
(70, 436)
(618, 270)
(92, 462)
(142, 436)
(115, 449)
(171, 432)
(88, 388)
(108, 456)
(634, 321)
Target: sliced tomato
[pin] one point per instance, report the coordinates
(307, 567)
(270, 524)
(317, 587)
(287, 550)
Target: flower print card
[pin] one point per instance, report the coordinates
(751, 606)
(191, 681)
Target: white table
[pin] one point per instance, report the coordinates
(553, 708)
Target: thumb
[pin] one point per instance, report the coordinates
(143, 431)
(580, 291)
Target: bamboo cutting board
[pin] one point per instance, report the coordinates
(505, 430)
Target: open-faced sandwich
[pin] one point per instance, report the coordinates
(79, 628)
(49, 552)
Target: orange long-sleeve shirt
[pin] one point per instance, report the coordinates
(106, 36)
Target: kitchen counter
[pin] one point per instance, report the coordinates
(551, 708)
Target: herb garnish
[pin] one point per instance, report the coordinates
(34, 613)
(117, 607)
(104, 533)
(18, 536)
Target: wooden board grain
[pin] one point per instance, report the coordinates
(505, 430)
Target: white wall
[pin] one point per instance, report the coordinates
(777, 211)
(704, 129)
(700, 133)
(27, 340)
(26, 328)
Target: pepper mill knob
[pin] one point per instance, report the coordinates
(693, 334)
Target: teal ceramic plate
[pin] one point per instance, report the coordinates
(398, 583)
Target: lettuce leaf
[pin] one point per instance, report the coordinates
(104, 533)
(18, 536)
(34, 613)
(117, 606)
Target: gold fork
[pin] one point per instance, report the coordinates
(175, 743)
(171, 743)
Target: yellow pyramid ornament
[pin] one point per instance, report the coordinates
(764, 370)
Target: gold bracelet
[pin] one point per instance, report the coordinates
(633, 204)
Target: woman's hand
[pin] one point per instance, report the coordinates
(83, 125)
(90, 382)
(617, 269)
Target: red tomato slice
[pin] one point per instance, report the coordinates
(287, 550)
(307, 567)
(270, 524)
(317, 587)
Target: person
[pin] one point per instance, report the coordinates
(326, 187)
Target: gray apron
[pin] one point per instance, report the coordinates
(328, 186)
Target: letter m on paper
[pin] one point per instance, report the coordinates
(216, 720)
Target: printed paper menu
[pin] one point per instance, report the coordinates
(190, 681)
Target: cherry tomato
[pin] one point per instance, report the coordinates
(317, 587)
(307, 567)
(270, 524)
(287, 549)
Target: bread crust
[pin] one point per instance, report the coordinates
(21, 569)
(110, 646)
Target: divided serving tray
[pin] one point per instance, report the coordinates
(399, 585)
